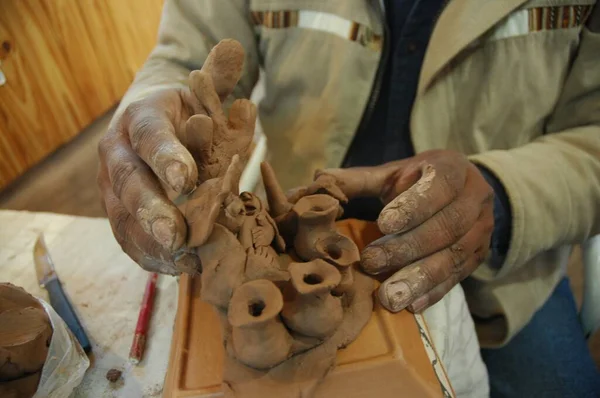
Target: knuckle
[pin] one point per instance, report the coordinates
(453, 222)
(121, 175)
(427, 275)
(142, 129)
(120, 228)
(104, 146)
(458, 255)
(413, 249)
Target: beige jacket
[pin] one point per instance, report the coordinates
(514, 84)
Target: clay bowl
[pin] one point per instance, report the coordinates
(317, 209)
(254, 303)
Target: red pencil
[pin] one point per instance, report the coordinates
(139, 340)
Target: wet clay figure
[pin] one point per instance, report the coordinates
(312, 310)
(280, 277)
(205, 204)
(260, 340)
(259, 229)
(223, 261)
(260, 237)
(212, 138)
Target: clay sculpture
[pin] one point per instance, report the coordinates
(281, 277)
(25, 334)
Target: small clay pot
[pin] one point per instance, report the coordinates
(317, 236)
(316, 220)
(260, 340)
(310, 309)
(341, 251)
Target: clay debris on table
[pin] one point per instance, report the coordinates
(25, 334)
(281, 276)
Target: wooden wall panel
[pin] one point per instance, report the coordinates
(69, 61)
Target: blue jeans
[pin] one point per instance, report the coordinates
(548, 358)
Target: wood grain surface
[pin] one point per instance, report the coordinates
(66, 63)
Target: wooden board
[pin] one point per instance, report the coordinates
(389, 358)
(66, 62)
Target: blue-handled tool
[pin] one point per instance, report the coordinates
(58, 299)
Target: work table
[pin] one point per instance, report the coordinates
(105, 287)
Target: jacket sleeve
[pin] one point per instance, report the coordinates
(188, 30)
(553, 183)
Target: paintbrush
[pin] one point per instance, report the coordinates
(141, 329)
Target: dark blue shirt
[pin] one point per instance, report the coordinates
(384, 133)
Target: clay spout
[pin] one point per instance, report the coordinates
(340, 251)
(316, 216)
(260, 340)
(278, 203)
(310, 308)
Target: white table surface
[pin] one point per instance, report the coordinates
(105, 288)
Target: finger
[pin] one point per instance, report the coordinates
(295, 194)
(198, 137)
(358, 182)
(441, 230)
(153, 138)
(138, 190)
(417, 279)
(140, 246)
(438, 185)
(437, 293)
(202, 86)
(224, 64)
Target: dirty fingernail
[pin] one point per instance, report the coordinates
(419, 304)
(391, 221)
(373, 259)
(163, 231)
(176, 174)
(394, 296)
(188, 263)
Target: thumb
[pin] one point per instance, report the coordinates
(357, 182)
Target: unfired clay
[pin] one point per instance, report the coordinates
(311, 309)
(25, 333)
(259, 338)
(280, 277)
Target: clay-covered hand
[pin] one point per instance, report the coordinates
(438, 221)
(165, 145)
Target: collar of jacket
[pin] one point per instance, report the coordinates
(461, 23)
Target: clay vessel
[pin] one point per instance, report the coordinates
(260, 340)
(310, 308)
(317, 236)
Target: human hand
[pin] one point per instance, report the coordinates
(163, 146)
(438, 221)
